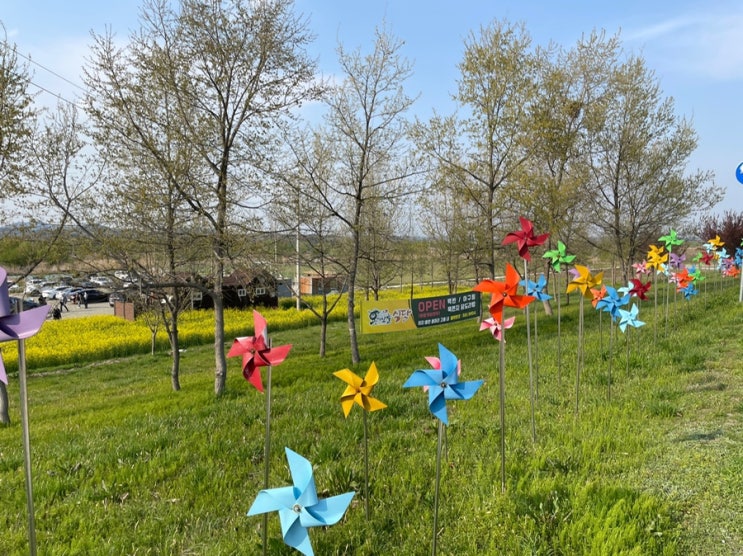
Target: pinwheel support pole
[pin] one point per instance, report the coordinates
(366, 467)
(579, 356)
(740, 292)
(611, 356)
(26, 446)
(655, 310)
(502, 393)
(532, 401)
(559, 331)
(267, 453)
(436, 489)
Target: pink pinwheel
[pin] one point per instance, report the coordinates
(495, 327)
(641, 267)
(257, 353)
(525, 238)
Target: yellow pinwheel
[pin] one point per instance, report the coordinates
(657, 256)
(359, 390)
(585, 281)
(716, 242)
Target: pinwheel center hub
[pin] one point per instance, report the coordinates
(443, 384)
(297, 508)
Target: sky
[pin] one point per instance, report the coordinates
(694, 48)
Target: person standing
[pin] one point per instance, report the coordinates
(63, 302)
(85, 299)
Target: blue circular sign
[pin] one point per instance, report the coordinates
(739, 172)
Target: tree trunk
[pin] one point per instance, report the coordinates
(175, 345)
(220, 359)
(323, 333)
(4, 413)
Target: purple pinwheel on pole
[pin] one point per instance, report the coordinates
(17, 325)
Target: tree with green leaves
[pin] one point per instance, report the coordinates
(639, 150)
(229, 71)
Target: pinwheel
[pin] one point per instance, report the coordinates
(722, 255)
(257, 352)
(504, 294)
(496, 327)
(299, 506)
(716, 242)
(641, 267)
(525, 238)
(597, 295)
(359, 391)
(689, 291)
(17, 325)
(638, 289)
(583, 282)
(708, 257)
(443, 384)
(676, 261)
(559, 257)
(671, 240)
(682, 279)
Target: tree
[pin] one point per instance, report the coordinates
(639, 151)
(366, 131)
(487, 145)
(230, 70)
(728, 225)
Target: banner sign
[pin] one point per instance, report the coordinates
(407, 314)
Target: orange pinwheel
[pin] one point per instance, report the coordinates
(257, 353)
(525, 238)
(682, 279)
(598, 295)
(585, 281)
(504, 293)
(359, 390)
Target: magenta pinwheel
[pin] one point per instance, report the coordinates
(525, 238)
(299, 506)
(359, 390)
(443, 384)
(257, 353)
(16, 325)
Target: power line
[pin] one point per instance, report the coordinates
(54, 73)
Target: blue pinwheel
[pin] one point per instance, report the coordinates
(443, 384)
(298, 505)
(612, 302)
(689, 291)
(536, 289)
(629, 318)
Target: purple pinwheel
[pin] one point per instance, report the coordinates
(612, 302)
(299, 506)
(676, 261)
(443, 384)
(16, 326)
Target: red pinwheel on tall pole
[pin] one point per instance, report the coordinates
(524, 239)
(503, 294)
(257, 352)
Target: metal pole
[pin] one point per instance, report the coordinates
(26, 446)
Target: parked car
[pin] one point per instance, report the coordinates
(114, 297)
(94, 296)
(100, 280)
(27, 303)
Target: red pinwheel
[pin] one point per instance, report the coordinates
(639, 289)
(504, 293)
(525, 238)
(257, 353)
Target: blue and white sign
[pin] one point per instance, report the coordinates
(739, 172)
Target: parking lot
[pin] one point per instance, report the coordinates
(93, 309)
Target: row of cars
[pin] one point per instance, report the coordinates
(93, 289)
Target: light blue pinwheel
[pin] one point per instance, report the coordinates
(298, 505)
(629, 318)
(612, 301)
(739, 257)
(722, 254)
(443, 384)
(536, 289)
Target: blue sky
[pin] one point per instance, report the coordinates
(695, 49)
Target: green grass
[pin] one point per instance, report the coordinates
(124, 465)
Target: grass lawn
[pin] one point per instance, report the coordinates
(124, 465)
